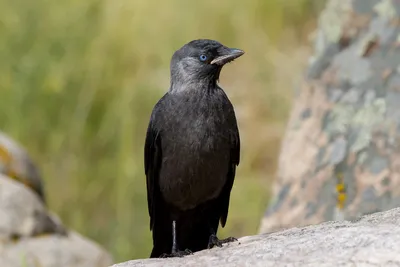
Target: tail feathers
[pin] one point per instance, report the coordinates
(195, 240)
(193, 229)
(162, 239)
(194, 237)
(158, 251)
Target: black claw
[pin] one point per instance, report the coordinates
(188, 251)
(229, 239)
(177, 254)
(215, 242)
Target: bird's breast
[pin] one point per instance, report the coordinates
(196, 153)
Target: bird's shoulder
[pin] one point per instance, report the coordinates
(159, 108)
(165, 113)
(174, 109)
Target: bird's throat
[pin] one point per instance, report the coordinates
(201, 86)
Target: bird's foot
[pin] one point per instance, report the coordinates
(180, 253)
(215, 242)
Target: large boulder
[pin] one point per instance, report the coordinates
(373, 240)
(340, 156)
(30, 236)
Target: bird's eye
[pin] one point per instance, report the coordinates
(203, 57)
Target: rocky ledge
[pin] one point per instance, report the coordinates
(372, 240)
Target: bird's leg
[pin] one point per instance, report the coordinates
(214, 241)
(174, 251)
(174, 246)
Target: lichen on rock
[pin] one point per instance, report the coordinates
(342, 159)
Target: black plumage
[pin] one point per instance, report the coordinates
(192, 149)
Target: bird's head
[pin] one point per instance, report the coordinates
(200, 62)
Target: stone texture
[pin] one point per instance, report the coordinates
(373, 240)
(342, 160)
(30, 236)
(54, 251)
(17, 164)
(22, 214)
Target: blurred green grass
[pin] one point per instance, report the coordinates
(78, 80)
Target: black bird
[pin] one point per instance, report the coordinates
(191, 152)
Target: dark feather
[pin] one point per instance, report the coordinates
(234, 161)
(152, 162)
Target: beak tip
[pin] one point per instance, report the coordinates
(229, 56)
(237, 52)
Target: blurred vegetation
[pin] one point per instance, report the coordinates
(78, 80)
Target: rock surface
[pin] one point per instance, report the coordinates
(340, 156)
(54, 251)
(373, 240)
(17, 164)
(22, 214)
(30, 236)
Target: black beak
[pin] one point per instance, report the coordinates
(227, 55)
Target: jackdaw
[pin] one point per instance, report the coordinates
(192, 148)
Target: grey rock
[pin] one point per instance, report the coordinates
(372, 240)
(17, 164)
(54, 251)
(336, 161)
(30, 236)
(22, 214)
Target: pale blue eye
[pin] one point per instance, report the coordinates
(203, 57)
